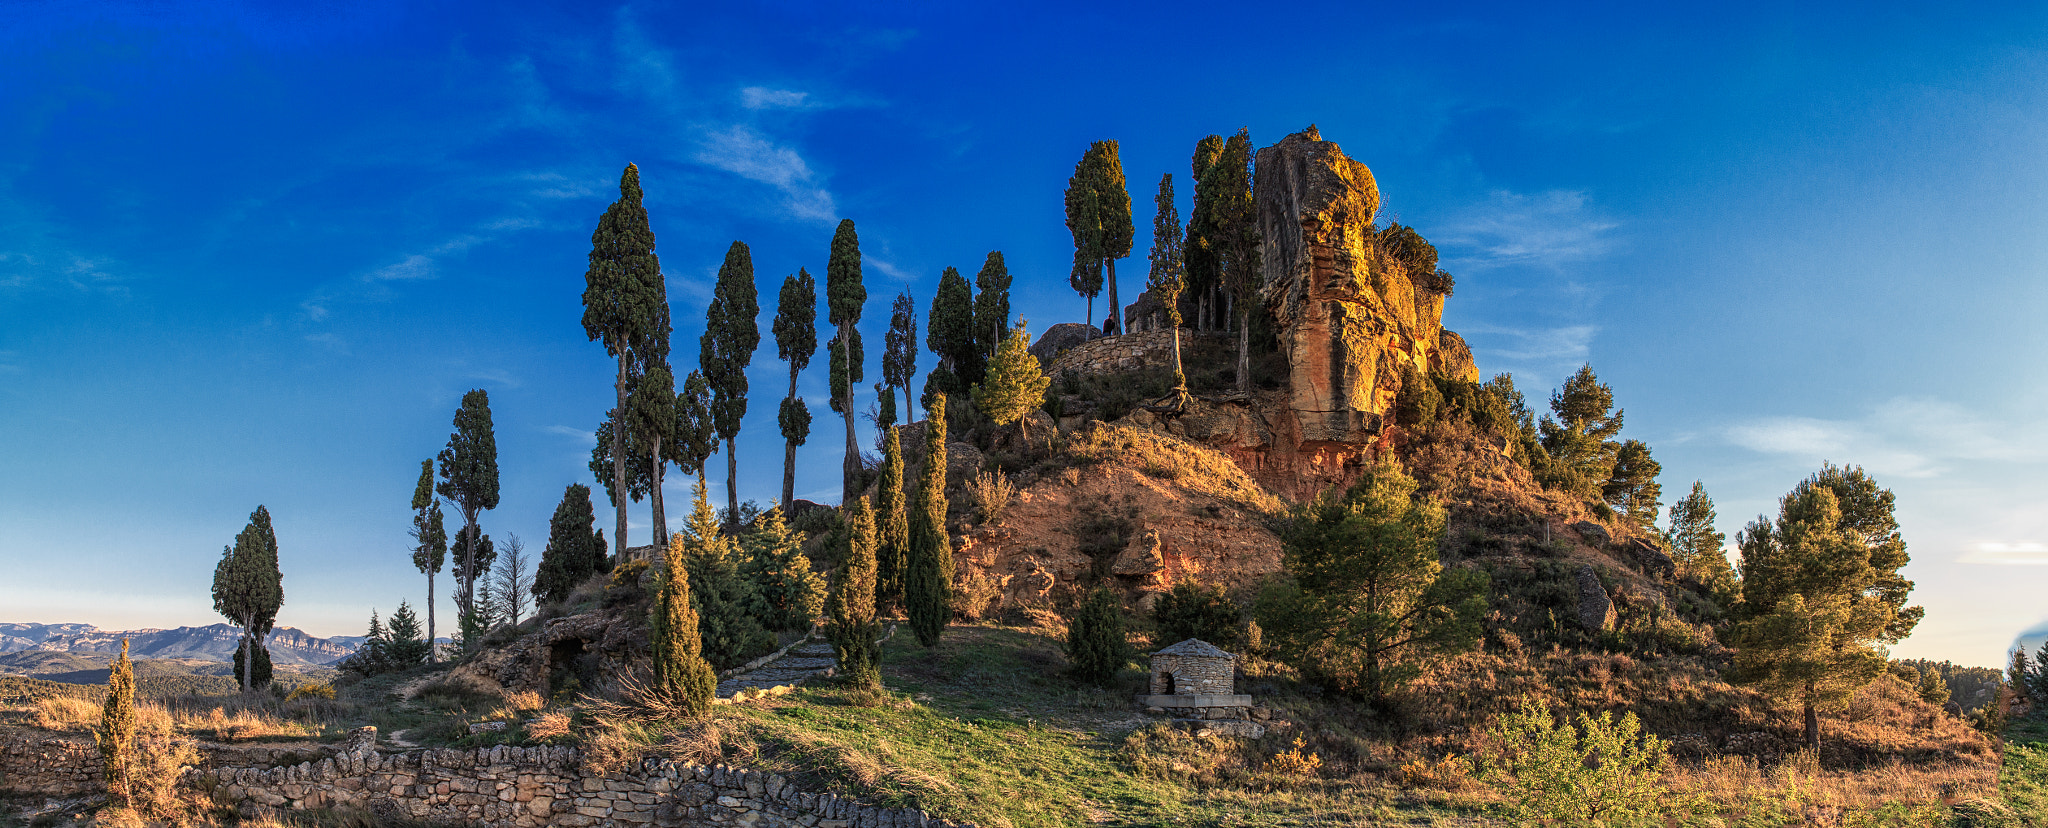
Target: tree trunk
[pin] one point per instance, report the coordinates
(660, 530)
(852, 463)
(1812, 726)
(1244, 355)
(248, 654)
(789, 454)
(470, 536)
(1180, 378)
(1116, 308)
(433, 651)
(619, 462)
(1091, 313)
(732, 480)
(909, 408)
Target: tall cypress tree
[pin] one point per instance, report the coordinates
(625, 306)
(928, 583)
(651, 409)
(851, 606)
(1234, 227)
(1084, 220)
(847, 296)
(1168, 276)
(991, 304)
(696, 429)
(892, 543)
(730, 335)
(116, 734)
(431, 536)
(574, 551)
(248, 589)
(796, 339)
(899, 351)
(1204, 267)
(949, 332)
(1099, 217)
(680, 672)
(469, 480)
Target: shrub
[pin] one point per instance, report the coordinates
(624, 586)
(991, 491)
(1095, 639)
(1193, 610)
(1603, 769)
(311, 691)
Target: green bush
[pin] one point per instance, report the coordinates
(1095, 639)
(1603, 770)
(1194, 610)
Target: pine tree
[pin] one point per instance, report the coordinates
(899, 353)
(374, 654)
(1096, 648)
(1099, 217)
(1580, 441)
(1696, 545)
(469, 480)
(846, 296)
(116, 734)
(991, 304)
(892, 546)
(1369, 597)
(1015, 384)
(796, 339)
(625, 306)
(430, 533)
(851, 607)
(1234, 238)
(1631, 488)
(949, 332)
(681, 674)
(1204, 266)
(574, 551)
(730, 336)
(1167, 279)
(1820, 591)
(2020, 674)
(1933, 689)
(404, 648)
(781, 573)
(728, 607)
(248, 589)
(928, 579)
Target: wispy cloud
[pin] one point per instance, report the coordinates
(372, 284)
(1906, 436)
(2023, 553)
(743, 152)
(1550, 229)
(1571, 343)
(582, 436)
(887, 268)
(761, 97)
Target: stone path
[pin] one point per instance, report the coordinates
(801, 662)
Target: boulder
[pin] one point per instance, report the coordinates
(1653, 561)
(1140, 557)
(1596, 610)
(1594, 533)
(1061, 337)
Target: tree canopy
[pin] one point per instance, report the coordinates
(248, 589)
(1099, 218)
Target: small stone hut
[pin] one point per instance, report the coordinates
(1193, 668)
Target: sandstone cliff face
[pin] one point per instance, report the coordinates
(1351, 320)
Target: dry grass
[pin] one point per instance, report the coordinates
(64, 713)
(1192, 467)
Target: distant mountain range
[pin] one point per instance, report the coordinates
(288, 646)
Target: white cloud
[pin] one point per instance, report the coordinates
(2023, 553)
(1906, 436)
(583, 436)
(888, 268)
(1571, 343)
(743, 152)
(761, 97)
(1550, 229)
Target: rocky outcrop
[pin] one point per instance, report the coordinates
(1351, 320)
(1596, 609)
(562, 644)
(1061, 337)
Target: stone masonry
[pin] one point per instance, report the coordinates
(1119, 354)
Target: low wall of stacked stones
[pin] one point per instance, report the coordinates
(1120, 354)
(500, 786)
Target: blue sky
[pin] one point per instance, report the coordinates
(251, 255)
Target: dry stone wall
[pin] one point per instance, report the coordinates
(502, 787)
(1119, 354)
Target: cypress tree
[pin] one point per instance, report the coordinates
(1696, 545)
(949, 332)
(892, 546)
(851, 606)
(781, 573)
(651, 409)
(885, 398)
(846, 296)
(625, 306)
(1204, 267)
(696, 426)
(1820, 591)
(1579, 442)
(1095, 640)
(1632, 487)
(796, 339)
(573, 552)
(469, 479)
(258, 678)
(680, 672)
(247, 587)
(928, 581)
(991, 304)
(1015, 384)
(116, 734)
(1099, 217)
(726, 348)
(899, 353)
(1167, 279)
(728, 607)
(602, 461)
(430, 533)
(1234, 237)
(478, 616)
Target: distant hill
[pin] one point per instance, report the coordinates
(288, 646)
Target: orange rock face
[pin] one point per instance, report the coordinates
(1351, 320)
